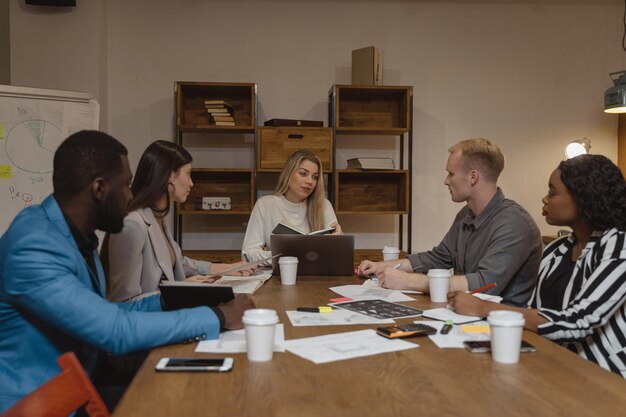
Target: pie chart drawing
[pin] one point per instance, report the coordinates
(30, 145)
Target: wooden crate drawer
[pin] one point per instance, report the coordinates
(234, 183)
(372, 192)
(276, 144)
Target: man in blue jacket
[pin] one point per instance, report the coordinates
(52, 288)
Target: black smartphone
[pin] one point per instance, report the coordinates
(406, 330)
(195, 364)
(484, 346)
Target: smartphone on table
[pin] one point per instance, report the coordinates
(195, 364)
(406, 330)
(484, 346)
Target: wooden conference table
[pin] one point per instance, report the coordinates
(426, 381)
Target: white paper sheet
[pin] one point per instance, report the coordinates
(244, 285)
(373, 283)
(455, 338)
(360, 292)
(337, 317)
(444, 314)
(235, 342)
(341, 346)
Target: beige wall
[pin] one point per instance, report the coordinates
(5, 77)
(529, 75)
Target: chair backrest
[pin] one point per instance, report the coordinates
(62, 395)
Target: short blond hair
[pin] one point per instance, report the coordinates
(482, 155)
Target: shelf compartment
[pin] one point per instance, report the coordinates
(276, 144)
(191, 114)
(238, 184)
(372, 192)
(372, 110)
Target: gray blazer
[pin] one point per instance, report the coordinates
(139, 259)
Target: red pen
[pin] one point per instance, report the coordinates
(483, 288)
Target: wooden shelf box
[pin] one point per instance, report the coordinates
(372, 109)
(238, 184)
(372, 192)
(276, 144)
(191, 114)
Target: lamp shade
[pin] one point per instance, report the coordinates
(615, 97)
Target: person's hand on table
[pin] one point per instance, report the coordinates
(202, 278)
(337, 227)
(233, 311)
(394, 279)
(465, 303)
(367, 268)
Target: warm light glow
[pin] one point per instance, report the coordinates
(616, 110)
(577, 147)
(574, 149)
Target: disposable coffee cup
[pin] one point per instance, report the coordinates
(390, 252)
(260, 325)
(438, 284)
(506, 335)
(288, 269)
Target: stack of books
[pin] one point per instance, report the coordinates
(220, 112)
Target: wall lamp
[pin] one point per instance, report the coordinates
(615, 97)
(577, 147)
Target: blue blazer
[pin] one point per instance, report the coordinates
(49, 305)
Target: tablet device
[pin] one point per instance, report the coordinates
(178, 294)
(329, 255)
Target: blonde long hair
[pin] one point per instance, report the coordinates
(316, 201)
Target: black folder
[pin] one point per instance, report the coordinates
(177, 295)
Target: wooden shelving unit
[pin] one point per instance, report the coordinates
(237, 184)
(384, 112)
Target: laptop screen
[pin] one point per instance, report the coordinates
(327, 255)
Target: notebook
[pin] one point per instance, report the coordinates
(180, 294)
(330, 255)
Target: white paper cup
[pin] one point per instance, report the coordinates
(438, 284)
(260, 325)
(390, 252)
(288, 269)
(506, 335)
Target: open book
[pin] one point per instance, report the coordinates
(287, 229)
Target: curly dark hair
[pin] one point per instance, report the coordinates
(598, 187)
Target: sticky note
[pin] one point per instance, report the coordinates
(6, 172)
(475, 328)
(340, 299)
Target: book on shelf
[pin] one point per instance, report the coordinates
(217, 103)
(218, 110)
(218, 123)
(286, 229)
(220, 118)
(371, 163)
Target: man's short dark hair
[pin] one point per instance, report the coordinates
(82, 157)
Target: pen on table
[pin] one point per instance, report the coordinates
(320, 309)
(447, 327)
(483, 288)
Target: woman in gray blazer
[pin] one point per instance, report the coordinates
(145, 252)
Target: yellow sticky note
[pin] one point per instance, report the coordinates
(475, 328)
(6, 172)
(1, 131)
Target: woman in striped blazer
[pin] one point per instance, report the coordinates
(580, 298)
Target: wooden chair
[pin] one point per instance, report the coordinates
(62, 395)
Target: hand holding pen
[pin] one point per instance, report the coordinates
(465, 303)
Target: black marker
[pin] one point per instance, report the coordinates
(447, 327)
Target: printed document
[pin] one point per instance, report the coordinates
(235, 342)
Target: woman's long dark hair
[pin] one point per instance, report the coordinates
(156, 165)
(598, 187)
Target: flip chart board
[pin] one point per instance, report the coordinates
(33, 123)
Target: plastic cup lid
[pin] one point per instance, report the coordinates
(439, 273)
(260, 316)
(287, 260)
(506, 318)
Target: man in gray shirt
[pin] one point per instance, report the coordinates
(492, 239)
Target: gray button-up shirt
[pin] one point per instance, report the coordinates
(502, 244)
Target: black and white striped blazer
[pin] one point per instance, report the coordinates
(592, 319)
